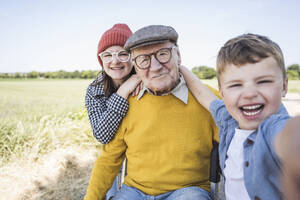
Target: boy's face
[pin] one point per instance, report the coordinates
(253, 92)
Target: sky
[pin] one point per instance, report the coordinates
(51, 35)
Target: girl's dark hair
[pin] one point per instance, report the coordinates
(108, 84)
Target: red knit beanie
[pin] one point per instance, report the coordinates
(117, 35)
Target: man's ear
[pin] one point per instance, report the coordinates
(179, 56)
(136, 69)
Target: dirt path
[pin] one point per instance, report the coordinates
(292, 103)
(60, 175)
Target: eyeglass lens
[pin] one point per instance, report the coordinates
(122, 56)
(162, 55)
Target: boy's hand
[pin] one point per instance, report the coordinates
(202, 93)
(287, 146)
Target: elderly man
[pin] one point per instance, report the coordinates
(166, 135)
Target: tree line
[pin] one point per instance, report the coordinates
(61, 74)
(203, 72)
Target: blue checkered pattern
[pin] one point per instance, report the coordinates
(105, 113)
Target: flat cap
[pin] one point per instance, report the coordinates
(152, 34)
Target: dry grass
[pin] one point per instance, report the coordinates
(62, 174)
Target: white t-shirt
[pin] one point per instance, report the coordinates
(234, 173)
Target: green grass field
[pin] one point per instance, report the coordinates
(39, 116)
(294, 86)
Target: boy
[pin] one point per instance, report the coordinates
(252, 80)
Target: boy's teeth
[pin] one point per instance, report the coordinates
(251, 107)
(251, 113)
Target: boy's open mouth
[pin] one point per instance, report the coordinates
(252, 110)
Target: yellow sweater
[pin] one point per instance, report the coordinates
(167, 144)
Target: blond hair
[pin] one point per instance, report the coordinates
(248, 48)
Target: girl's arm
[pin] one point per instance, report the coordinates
(105, 114)
(130, 86)
(198, 89)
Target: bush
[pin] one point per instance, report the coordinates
(292, 75)
(33, 74)
(204, 72)
(294, 67)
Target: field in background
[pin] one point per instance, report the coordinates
(46, 144)
(41, 115)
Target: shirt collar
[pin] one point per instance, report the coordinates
(180, 91)
(282, 111)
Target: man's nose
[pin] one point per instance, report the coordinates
(155, 65)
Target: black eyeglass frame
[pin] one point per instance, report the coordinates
(155, 56)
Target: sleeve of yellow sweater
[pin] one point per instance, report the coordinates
(106, 167)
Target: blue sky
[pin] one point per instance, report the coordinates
(49, 35)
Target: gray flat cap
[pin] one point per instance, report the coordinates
(152, 34)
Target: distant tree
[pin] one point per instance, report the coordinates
(54, 75)
(33, 74)
(4, 75)
(18, 75)
(294, 67)
(47, 75)
(86, 74)
(204, 72)
(75, 74)
(95, 73)
(63, 74)
(42, 74)
(292, 75)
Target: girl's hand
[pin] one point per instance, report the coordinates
(137, 89)
(131, 85)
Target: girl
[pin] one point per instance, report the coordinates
(106, 97)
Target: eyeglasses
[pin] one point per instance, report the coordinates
(162, 56)
(107, 57)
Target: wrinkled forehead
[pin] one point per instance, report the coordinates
(150, 48)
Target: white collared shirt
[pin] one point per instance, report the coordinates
(180, 91)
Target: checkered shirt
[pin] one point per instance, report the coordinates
(105, 113)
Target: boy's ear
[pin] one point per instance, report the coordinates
(221, 91)
(285, 87)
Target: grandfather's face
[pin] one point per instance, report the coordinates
(160, 78)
